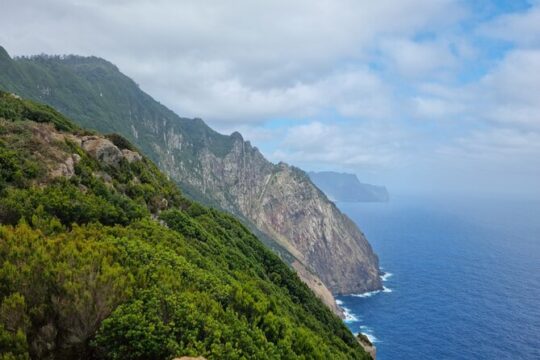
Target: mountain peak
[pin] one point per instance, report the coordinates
(236, 136)
(4, 55)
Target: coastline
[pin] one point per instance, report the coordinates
(365, 337)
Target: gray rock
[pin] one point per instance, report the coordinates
(67, 168)
(131, 156)
(102, 149)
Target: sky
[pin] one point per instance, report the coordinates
(424, 96)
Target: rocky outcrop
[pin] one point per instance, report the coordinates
(102, 149)
(61, 163)
(131, 156)
(67, 168)
(367, 345)
(105, 151)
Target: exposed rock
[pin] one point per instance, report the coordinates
(316, 285)
(102, 149)
(67, 168)
(131, 156)
(367, 345)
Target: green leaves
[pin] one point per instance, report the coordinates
(65, 202)
(59, 287)
(15, 108)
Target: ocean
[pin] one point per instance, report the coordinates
(462, 278)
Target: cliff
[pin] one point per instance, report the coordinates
(278, 202)
(347, 188)
(283, 203)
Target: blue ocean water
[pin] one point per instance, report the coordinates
(463, 279)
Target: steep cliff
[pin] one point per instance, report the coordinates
(278, 202)
(282, 202)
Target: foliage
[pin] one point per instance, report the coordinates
(11, 107)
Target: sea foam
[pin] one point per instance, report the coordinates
(366, 330)
(386, 276)
(371, 293)
(366, 294)
(349, 316)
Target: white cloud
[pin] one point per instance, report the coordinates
(242, 60)
(512, 90)
(350, 146)
(414, 59)
(520, 28)
(497, 145)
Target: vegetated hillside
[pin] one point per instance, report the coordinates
(278, 202)
(347, 188)
(101, 257)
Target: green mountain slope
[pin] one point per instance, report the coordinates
(276, 201)
(101, 257)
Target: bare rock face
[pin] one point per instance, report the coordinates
(102, 149)
(67, 168)
(105, 151)
(62, 163)
(317, 286)
(328, 241)
(131, 156)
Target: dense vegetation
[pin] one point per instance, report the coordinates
(113, 262)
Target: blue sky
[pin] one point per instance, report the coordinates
(421, 95)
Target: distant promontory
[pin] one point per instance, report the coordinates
(346, 187)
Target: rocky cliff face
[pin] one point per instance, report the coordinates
(278, 202)
(283, 203)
